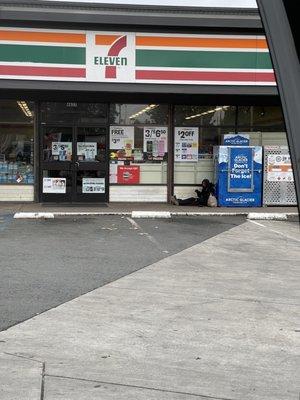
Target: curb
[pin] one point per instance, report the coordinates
(210, 214)
(268, 216)
(158, 214)
(150, 214)
(37, 215)
(46, 215)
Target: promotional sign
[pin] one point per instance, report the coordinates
(239, 139)
(86, 151)
(240, 173)
(121, 137)
(186, 143)
(238, 176)
(138, 155)
(279, 168)
(155, 142)
(62, 150)
(113, 171)
(93, 185)
(128, 174)
(54, 185)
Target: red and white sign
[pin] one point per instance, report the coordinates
(128, 174)
(279, 168)
(135, 57)
(110, 57)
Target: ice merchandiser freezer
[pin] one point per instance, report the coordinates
(238, 175)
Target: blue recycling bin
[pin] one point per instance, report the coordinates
(238, 171)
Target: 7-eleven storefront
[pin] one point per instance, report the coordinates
(98, 116)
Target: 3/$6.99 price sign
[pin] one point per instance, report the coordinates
(155, 140)
(186, 143)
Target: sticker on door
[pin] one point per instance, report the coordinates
(93, 185)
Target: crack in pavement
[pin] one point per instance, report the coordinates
(200, 396)
(23, 357)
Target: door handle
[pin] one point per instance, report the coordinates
(77, 164)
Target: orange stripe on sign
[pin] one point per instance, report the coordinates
(106, 39)
(200, 42)
(54, 37)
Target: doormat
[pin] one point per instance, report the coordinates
(83, 205)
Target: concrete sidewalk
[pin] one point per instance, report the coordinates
(128, 208)
(219, 320)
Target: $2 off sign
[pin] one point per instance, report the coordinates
(186, 142)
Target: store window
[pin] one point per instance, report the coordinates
(135, 114)
(257, 117)
(74, 113)
(138, 144)
(204, 115)
(197, 130)
(16, 142)
(263, 124)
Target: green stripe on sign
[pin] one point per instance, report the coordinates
(42, 54)
(202, 59)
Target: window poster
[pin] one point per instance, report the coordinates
(54, 185)
(128, 174)
(240, 174)
(138, 155)
(122, 137)
(186, 143)
(62, 151)
(113, 171)
(279, 168)
(86, 151)
(155, 142)
(93, 185)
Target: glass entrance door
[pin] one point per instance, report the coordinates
(74, 164)
(90, 164)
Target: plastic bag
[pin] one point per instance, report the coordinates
(212, 201)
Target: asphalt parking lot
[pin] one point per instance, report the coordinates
(45, 263)
(218, 320)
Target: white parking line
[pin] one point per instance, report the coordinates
(273, 230)
(256, 223)
(133, 223)
(136, 226)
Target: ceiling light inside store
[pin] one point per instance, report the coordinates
(207, 112)
(146, 109)
(24, 107)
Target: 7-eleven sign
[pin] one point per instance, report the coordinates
(111, 57)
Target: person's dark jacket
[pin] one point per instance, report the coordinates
(203, 195)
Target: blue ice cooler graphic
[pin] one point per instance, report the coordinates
(238, 176)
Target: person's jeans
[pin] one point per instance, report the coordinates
(193, 201)
(190, 201)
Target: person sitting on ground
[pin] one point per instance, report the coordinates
(206, 189)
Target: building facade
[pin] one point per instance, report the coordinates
(123, 103)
